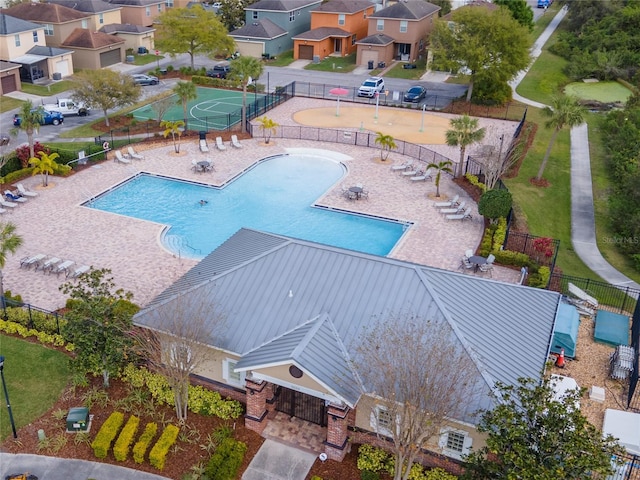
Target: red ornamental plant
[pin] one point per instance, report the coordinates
(544, 245)
(22, 153)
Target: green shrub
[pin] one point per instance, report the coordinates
(125, 439)
(14, 328)
(486, 243)
(158, 454)
(226, 461)
(141, 446)
(499, 234)
(508, 257)
(540, 279)
(473, 180)
(438, 474)
(12, 164)
(37, 320)
(107, 433)
(374, 459)
(17, 175)
(369, 475)
(495, 203)
(316, 477)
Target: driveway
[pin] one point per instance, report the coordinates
(276, 461)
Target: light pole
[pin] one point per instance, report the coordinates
(377, 103)
(422, 118)
(6, 396)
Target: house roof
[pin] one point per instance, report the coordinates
(125, 28)
(135, 3)
(8, 66)
(407, 10)
(45, 12)
(39, 53)
(297, 301)
(343, 6)
(84, 38)
(376, 39)
(88, 6)
(11, 25)
(322, 33)
(280, 5)
(264, 29)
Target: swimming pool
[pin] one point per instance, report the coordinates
(275, 196)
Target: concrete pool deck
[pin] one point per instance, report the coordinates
(54, 223)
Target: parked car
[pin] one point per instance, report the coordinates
(415, 94)
(48, 118)
(219, 71)
(142, 79)
(371, 86)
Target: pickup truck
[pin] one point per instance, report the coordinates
(219, 71)
(67, 107)
(47, 118)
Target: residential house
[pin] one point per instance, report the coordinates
(335, 27)
(9, 77)
(23, 42)
(294, 312)
(139, 12)
(135, 37)
(95, 50)
(398, 32)
(271, 25)
(100, 13)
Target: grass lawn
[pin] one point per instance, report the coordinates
(8, 103)
(334, 64)
(53, 89)
(599, 91)
(282, 60)
(35, 378)
(407, 73)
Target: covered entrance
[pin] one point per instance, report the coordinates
(300, 405)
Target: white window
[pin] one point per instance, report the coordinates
(382, 420)
(168, 3)
(101, 18)
(353, 39)
(230, 375)
(341, 19)
(254, 15)
(147, 11)
(16, 38)
(455, 443)
(403, 26)
(159, 8)
(380, 25)
(292, 16)
(85, 23)
(48, 29)
(35, 36)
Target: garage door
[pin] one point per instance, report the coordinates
(8, 84)
(110, 58)
(369, 56)
(250, 49)
(62, 67)
(305, 52)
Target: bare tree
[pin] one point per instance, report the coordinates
(421, 377)
(178, 346)
(496, 160)
(162, 106)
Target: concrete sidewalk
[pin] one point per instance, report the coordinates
(51, 468)
(276, 461)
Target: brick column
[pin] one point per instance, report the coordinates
(337, 443)
(257, 393)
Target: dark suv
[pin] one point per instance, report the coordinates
(218, 71)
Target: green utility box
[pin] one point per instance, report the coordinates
(78, 419)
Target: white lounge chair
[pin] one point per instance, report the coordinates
(402, 166)
(448, 204)
(121, 158)
(454, 210)
(235, 142)
(25, 192)
(134, 154)
(219, 144)
(204, 148)
(460, 216)
(421, 176)
(10, 196)
(583, 296)
(2, 210)
(78, 271)
(50, 263)
(63, 267)
(4, 203)
(35, 260)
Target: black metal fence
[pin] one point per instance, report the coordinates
(627, 469)
(543, 250)
(10, 303)
(633, 400)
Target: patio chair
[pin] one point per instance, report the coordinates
(24, 192)
(2, 210)
(454, 210)
(4, 203)
(465, 263)
(448, 204)
(121, 158)
(203, 146)
(35, 260)
(583, 296)
(194, 165)
(49, 264)
(460, 216)
(402, 166)
(422, 176)
(134, 154)
(219, 144)
(410, 172)
(63, 267)
(78, 271)
(235, 142)
(13, 197)
(468, 253)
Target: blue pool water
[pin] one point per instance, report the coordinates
(275, 196)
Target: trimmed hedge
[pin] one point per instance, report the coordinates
(13, 328)
(226, 460)
(108, 432)
(125, 439)
(158, 454)
(39, 320)
(141, 446)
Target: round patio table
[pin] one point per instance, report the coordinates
(477, 260)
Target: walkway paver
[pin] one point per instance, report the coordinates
(276, 461)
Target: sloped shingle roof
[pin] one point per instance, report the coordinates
(264, 28)
(407, 10)
(377, 39)
(45, 12)
(322, 33)
(268, 286)
(125, 28)
(343, 6)
(83, 38)
(11, 25)
(280, 5)
(88, 6)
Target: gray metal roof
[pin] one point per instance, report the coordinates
(343, 6)
(280, 5)
(11, 25)
(407, 10)
(268, 287)
(264, 28)
(322, 33)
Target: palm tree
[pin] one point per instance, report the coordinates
(440, 167)
(9, 243)
(464, 131)
(45, 165)
(387, 143)
(30, 120)
(173, 128)
(268, 126)
(185, 91)
(564, 112)
(245, 69)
